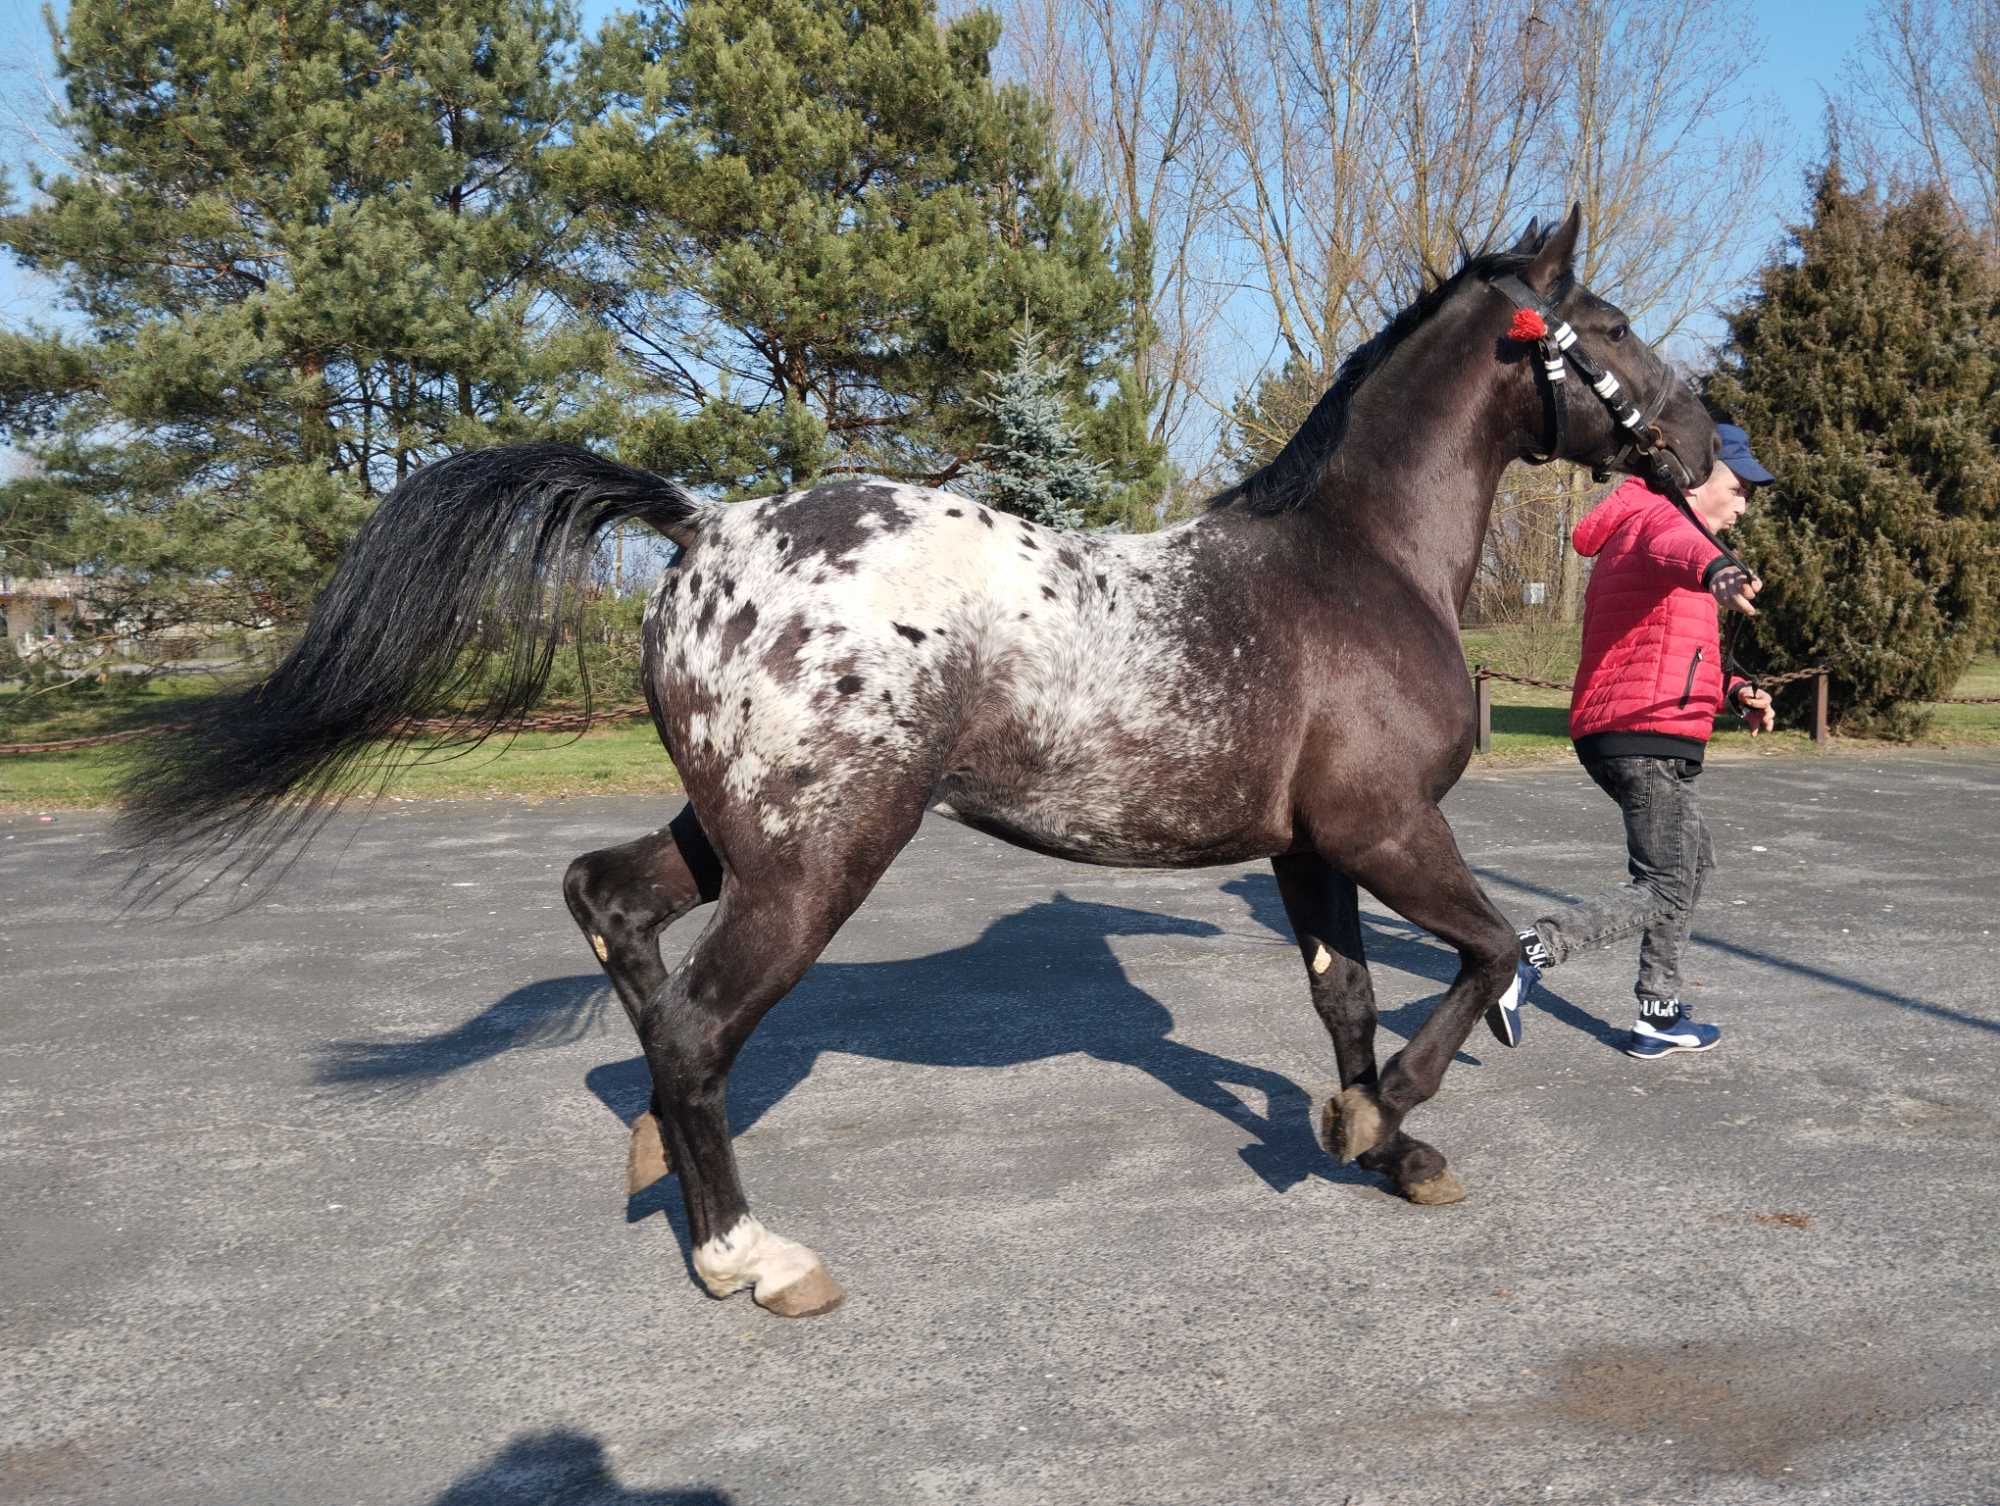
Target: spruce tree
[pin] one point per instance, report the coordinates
(818, 222)
(310, 253)
(1269, 412)
(1864, 368)
(1034, 466)
(1119, 428)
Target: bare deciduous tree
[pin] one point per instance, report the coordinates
(1668, 160)
(1922, 104)
(1371, 141)
(1130, 87)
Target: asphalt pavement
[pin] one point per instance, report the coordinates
(325, 1203)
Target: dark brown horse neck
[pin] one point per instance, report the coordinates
(1411, 480)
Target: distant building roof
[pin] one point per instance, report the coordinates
(44, 587)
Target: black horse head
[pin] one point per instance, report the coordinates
(1585, 340)
(1429, 411)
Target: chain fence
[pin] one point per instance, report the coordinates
(1482, 676)
(1768, 682)
(577, 721)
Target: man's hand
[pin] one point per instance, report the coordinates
(1755, 707)
(1735, 588)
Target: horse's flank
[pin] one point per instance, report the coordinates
(1108, 698)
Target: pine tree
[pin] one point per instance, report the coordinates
(1138, 476)
(1268, 413)
(1122, 430)
(1864, 368)
(818, 223)
(310, 252)
(1034, 466)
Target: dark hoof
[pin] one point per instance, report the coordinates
(1437, 1191)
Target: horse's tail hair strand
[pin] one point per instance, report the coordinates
(492, 547)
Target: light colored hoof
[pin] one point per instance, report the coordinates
(1439, 1190)
(1351, 1124)
(646, 1159)
(812, 1294)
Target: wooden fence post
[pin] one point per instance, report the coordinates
(1482, 691)
(1819, 709)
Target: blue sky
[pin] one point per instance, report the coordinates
(1805, 45)
(1803, 48)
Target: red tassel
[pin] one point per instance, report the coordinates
(1527, 325)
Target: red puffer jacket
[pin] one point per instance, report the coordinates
(1651, 679)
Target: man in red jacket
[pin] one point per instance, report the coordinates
(1647, 692)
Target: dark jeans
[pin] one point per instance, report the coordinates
(1668, 854)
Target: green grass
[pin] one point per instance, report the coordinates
(622, 759)
(616, 759)
(87, 711)
(1529, 725)
(1967, 724)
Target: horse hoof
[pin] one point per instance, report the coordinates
(646, 1158)
(812, 1294)
(1435, 1192)
(1351, 1124)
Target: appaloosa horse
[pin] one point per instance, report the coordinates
(1278, 678)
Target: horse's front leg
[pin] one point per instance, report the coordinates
(1418, 872)
(1324, 908)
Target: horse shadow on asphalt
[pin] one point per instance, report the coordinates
(1393, 942)
(1042, 982)
(562, 1464)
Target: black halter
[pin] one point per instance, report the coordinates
(1559, 351)
(1558, 348)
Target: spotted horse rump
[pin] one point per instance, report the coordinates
(1276, 678)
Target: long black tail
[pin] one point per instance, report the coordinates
(493, 544)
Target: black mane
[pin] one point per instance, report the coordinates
(1290, 481)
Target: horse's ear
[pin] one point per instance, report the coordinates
(1555, 255)
(1530, 237)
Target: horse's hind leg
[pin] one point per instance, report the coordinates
(623, 897)
(779, 908)
(1419, 874)
(1325, 913)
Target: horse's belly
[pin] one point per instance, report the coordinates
(1147, 827)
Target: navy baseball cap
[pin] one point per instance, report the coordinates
(1736, 455)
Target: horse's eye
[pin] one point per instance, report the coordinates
(1619, 332)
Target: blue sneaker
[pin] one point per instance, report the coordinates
(1503, 1015)
(1660, 1032)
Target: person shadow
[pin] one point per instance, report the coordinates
(564, 1465)
(1040, 983)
